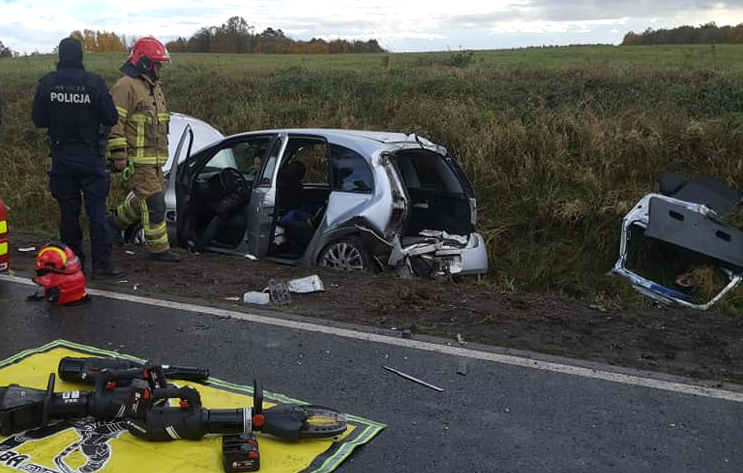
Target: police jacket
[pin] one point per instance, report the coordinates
(72, 104)
(141, 135)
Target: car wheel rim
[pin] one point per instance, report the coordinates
(344, 256)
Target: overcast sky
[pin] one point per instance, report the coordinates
(399, 25)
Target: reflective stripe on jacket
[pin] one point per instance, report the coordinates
(142, 131)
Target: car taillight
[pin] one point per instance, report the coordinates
(4, 254)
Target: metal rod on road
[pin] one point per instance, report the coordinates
(411, 378)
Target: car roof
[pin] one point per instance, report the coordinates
(365, 141)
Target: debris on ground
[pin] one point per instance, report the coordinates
(279, 292)
(414, 379)
(255, 297)
(306, 285)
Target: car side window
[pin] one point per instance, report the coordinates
(349, 171)
(314, 155)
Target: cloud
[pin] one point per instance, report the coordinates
(28, 25)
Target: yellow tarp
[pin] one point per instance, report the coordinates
(89, 447)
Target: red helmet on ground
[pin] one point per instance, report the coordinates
(59, 272)
(58, 258)
(146, 52)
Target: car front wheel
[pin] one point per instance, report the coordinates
(347, 254)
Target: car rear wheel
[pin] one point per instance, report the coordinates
(347, 254)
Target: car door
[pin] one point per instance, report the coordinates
(199, 184)
(262, 206)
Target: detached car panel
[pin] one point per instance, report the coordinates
(686, 218)
(338, 198)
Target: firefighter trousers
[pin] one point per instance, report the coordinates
(146, 203)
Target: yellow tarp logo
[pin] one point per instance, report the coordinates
(86, 446)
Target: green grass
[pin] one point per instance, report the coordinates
(559, 142)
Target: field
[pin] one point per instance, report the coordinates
(559, 142)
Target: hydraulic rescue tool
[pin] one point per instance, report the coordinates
(141, 397)
(24, 408)
(85, 369)
(190, 420)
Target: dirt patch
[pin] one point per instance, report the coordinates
(703, 345)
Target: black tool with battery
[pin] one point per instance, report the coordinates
(85, 370)
(24, 408)
(190, 420)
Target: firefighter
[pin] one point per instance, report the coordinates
(75, 106)
(138, 145)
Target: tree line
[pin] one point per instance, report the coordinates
(237, 36)
(708, 33)
(234, 36)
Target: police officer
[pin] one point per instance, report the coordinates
(139, 145)
(75, 106)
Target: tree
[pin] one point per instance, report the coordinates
(99, 41)
(6, 51)
(707, 33)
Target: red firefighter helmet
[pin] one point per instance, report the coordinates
(146, 52)
(59, 272)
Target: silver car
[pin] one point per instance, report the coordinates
(357, 200)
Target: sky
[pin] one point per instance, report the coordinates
(28, 26)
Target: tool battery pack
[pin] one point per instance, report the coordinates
(240, 453)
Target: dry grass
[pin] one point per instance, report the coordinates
(559, 143)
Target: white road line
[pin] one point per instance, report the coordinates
(418, 345)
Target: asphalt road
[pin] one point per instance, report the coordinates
(505, 415)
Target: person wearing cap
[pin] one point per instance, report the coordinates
(77, 109)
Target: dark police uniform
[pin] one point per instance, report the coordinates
(75, 106)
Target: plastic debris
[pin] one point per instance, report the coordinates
(255, 297)
(27, 249)
(306, 284)
(462, 368)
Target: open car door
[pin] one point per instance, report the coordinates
(176, 186)
(262, 207)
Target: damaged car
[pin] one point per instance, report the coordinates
(344, 199)
(676, 246)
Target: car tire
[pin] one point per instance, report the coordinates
(135, 234)
(346, 254)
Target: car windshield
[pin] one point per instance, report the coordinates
(224, 158)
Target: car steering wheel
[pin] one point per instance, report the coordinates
(231, 179)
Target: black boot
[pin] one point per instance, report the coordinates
(107, 272)
(167, 256)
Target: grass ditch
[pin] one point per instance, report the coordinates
(559, 142)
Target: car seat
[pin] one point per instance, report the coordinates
(289, 187)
